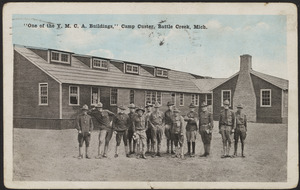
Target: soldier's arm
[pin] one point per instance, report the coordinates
(110, 112)
(78, 127)
(220, 121)
(182, 126)
(150, 120)
(233, 121)
(91, 125)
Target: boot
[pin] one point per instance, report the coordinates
(228, 151)
(99, 150)
(172, 151)
(193, 146)
(130, 147)
(87, 153)
(105, 151)
(235, 149)
(243, 155)
(158, 150)
(126, 151)
(189, 149)
(138, 151)
(148, 148)
(134, 145)
(208, 149)
(168, 144)
(80, 153)
(116, 152)
(143, 152)
(224, 151)
(181, 152)
(205, 149)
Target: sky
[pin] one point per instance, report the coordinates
(214, 51)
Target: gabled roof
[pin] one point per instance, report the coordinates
(205, 85)
(82, 75)
(279, 82)
(213, 87)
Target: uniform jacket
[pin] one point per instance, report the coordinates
(227, 118)
(139, 123)
(101, 119)
(120, 122)
(168, 117)
(178, 125)
(131, 116)
(84, 123)
(147, 116)
(191, 118)
(206, 118)
(156, 118)
(241, 119)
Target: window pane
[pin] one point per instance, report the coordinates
(73, 100)
(95, 96)
(159, 72)
(113, 96)
(173, 96)
(129, 68)
(65, 57)
(181, 99)
(131, 97)
(55, 56)
(159, 97)
(266, 99)
(135, 69)
(148, 97)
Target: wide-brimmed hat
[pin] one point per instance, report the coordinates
(240, 106)
(192, 105)
(131, 106)
(99, 105)
(139, 108)
(226, 102)
(85, 107)
(176, 110)
(170, 104)
(156, 105)
(122, 107)
(203, 104)
(148, 105)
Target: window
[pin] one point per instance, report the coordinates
(265, 97)
(131, 96)
(161, 72)
(152, 97)
(173, 97)
(113, 96)
(74, 95)
(181, 99)
(43, 93)
(226, 95)
(60, 57)
(132, 68)
(100, 63)
(209, 99)
(195, 99)
(95, 96)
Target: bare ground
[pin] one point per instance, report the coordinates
(50, 155)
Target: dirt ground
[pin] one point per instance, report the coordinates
(50, 155)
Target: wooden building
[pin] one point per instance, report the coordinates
(264, 97)
(50, 86)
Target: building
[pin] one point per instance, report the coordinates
(264, 97)
(50, 86)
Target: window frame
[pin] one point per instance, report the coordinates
(151, 95)
(110, 95)
(59, 57)
(162, 71)
(197, 97)
(131, 97)
(223, 98)
(40, 97)
(174, 102)
(261, 99)
(78, 95)
(132, 66)
(182, 99)
(101, 62)
(98, 96)
(207, 99)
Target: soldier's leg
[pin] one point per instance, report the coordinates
(222, 130)
(236, 141)
(118, 142)
(87, 145)
(154, 139)
(129, 135)
(148, 134)
(101, 138)
(167, 133)
(193, 142)
(243, 138)
(209, 137)
(125, 140)
(228, 136)
(143, 143)
(80, 141)
(188, 139)
(159, 138)
(203, 140)
(109, 133)
(176, 145)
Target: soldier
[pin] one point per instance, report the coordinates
(206, 125)
(120, 125)
(149, 129)
(168, 126)
(131, 116)
(191, 129)
(240, 130)
(178, 133)
(139, 129)
(156, 121)
(85, 127)
(226, 124)
(101, 120)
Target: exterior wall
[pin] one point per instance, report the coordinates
(85, 60)
(42, 53)
(267, 114)
(120, 66)
(149, 69)
(228, 85)
(285, 106)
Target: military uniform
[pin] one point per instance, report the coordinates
(206, 125)
(139, 129)
(240, 130)
(226, 124)
(178, 131)
(131, 116)
(156, 119)
(191, 129)
(148, 133)
(168, 128)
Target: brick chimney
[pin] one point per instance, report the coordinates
(244, 91)
(245, 63)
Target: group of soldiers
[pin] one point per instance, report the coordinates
(142, 130)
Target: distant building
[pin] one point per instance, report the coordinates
(50, 87)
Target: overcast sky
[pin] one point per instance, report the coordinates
(212, 52)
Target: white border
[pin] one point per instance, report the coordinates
(260, 98)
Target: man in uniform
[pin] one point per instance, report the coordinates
(150, 147)
(240, 130)
(131, 116)
(206, 125)
(178, 133)
(139, 129)
(85, 127)
(101, 120)
(226, 124)
(156, 121)
(120, 125)
(191, 129)
(168, 126)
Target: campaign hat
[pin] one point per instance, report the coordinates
(131, 106)
(203, 104)
(156, 105)
(170, 104)
(226, 102)
(192, 105)
(148, 105)
(85, 107)
(240, 106)
(99, 105)
(139, 108)
(122, 107)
